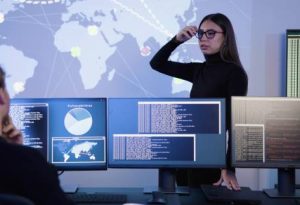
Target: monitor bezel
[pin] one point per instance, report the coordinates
(288, 35)
(273, 165)
(112, 164)
(91, 167)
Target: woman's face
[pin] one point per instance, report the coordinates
(213, 44)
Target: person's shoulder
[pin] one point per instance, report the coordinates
(236, 69)
(233, 66)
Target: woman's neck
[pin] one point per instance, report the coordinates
(213, 58)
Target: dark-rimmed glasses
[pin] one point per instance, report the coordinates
(210, 34)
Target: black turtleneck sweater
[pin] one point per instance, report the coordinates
(213, 78)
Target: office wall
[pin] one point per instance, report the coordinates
(91, 48)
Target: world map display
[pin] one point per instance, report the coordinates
(76, 151)
(89, 47)
(84, 48)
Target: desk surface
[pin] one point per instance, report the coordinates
(196, 197)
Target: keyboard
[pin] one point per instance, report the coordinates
(107, 198)
(221, 194)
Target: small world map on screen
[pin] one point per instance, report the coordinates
(76, 151)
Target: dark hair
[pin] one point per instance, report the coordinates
(2, 78)
(228, 51)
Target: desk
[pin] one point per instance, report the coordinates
(196, 197)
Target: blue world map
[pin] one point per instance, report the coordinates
(76, 151)
(67, 48)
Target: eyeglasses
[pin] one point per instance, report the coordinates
(210, 34)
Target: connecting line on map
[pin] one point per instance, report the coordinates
(136, 14)
(138, 85)
(160, 24)
(36, 2)
(154, 17)
(240, 10)
(52, 68)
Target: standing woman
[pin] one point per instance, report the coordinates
(220, 76)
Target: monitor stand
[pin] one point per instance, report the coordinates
(167, 183)
(69, 188)
(286, 185)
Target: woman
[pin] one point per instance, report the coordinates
(220, 76)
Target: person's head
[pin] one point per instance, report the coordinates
(4, 97)
(216, 34)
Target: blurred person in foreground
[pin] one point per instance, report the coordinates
(24, 171)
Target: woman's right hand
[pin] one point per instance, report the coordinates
(4, 107)
(11, 133)
(186, 33)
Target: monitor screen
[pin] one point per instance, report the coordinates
(166, 133)
(293, 62)
(266, 134)
(69, 132)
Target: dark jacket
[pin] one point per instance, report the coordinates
(25, 172)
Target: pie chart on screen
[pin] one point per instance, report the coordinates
(78, 121)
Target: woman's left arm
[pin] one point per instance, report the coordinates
(237, 86)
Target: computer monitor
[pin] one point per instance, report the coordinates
(69, 132)
(293, 62)
(266, 134)
(166, 133)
